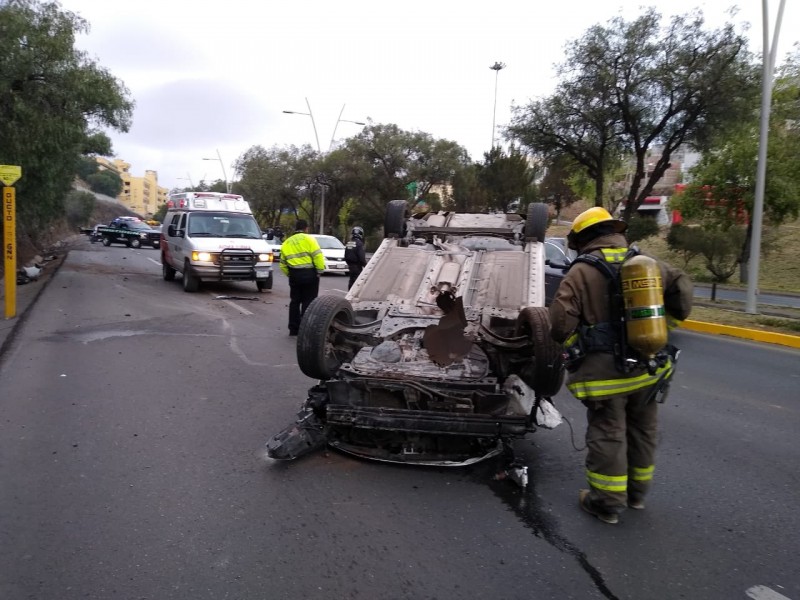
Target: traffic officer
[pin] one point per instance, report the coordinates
(355, 255)
(302, 261)
(620, 403)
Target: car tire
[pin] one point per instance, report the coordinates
(167, 271)
(264, 284)
(545, 374)
(317, 354)
(106, 241)
(536, 221)
(135, 243)
(394, 224)
(191, 283)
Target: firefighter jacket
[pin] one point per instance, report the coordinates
(583, 299)
(301, 251)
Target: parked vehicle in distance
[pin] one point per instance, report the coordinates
(557, 259)
(210, 236)
(440, 353)
(333, 251)
(130, 231)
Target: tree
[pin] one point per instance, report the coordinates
(52, 99)
(722, 194)
(105, 182)
(633, 86)
(507, 178)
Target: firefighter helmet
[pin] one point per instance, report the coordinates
(357, 233)
(590, 218)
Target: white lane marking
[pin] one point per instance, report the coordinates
(237, 307)
(153, 260)
(762, 592)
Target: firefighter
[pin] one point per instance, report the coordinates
(302, 261)
(354, 255)
(619, 398)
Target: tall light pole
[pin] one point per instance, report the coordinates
(496, 67)
(341, 120)
(767, 73)
(224, 174)
(319, 149)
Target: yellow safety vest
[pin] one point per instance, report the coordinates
(301, 251)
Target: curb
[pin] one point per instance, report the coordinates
(769, 337)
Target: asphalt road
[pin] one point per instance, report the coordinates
(762, 299)
(132, 463)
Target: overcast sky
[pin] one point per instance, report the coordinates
(212, 78)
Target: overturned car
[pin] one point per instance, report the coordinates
(440, 353)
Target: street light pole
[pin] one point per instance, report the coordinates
(341, 120)
(224, 174)
(768, 71)
(319, 149)
(496, 67)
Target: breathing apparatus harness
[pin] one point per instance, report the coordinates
(613, 336)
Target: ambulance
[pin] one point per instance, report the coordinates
(210, 236)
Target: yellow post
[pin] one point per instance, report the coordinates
(9, 175)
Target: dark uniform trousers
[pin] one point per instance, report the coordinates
(354, 269)
(621, 440)
(303, 288)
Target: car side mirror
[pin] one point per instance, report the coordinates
(171, 231)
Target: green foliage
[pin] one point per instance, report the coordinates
(105, 182)
(160, 213)
(640, 228)
(52, 97)
(685, 242)
(78, 207)
(722, 252)
(507, 178)
(86, 166)
(632, 85)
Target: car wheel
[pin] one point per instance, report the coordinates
(191, 283)
(394, 224)
(318, 354)
(136, 243)
(536, 222)
(545, 374)
(167, 271)
(264, 284)
(106, 241)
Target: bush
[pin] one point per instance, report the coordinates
(640, 228)
(105, 182)
(78, 207)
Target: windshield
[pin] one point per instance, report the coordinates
(328, 242)
(210, 224)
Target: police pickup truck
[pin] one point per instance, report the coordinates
(130, 231)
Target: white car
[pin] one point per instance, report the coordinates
(333, 251)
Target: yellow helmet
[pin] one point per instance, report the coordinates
(593, 216)
(589, 218)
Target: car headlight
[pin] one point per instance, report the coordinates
(201, 256)
(143, 236)
(265, 258)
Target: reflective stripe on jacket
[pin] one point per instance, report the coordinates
(301, 251)
(599, 389)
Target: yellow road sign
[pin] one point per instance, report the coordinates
(10, 173)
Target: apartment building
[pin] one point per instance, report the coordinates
(141, 195)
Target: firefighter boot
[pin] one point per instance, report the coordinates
(589, 507)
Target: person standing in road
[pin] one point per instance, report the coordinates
(354, 255)
(303, 263)
(620, 398)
